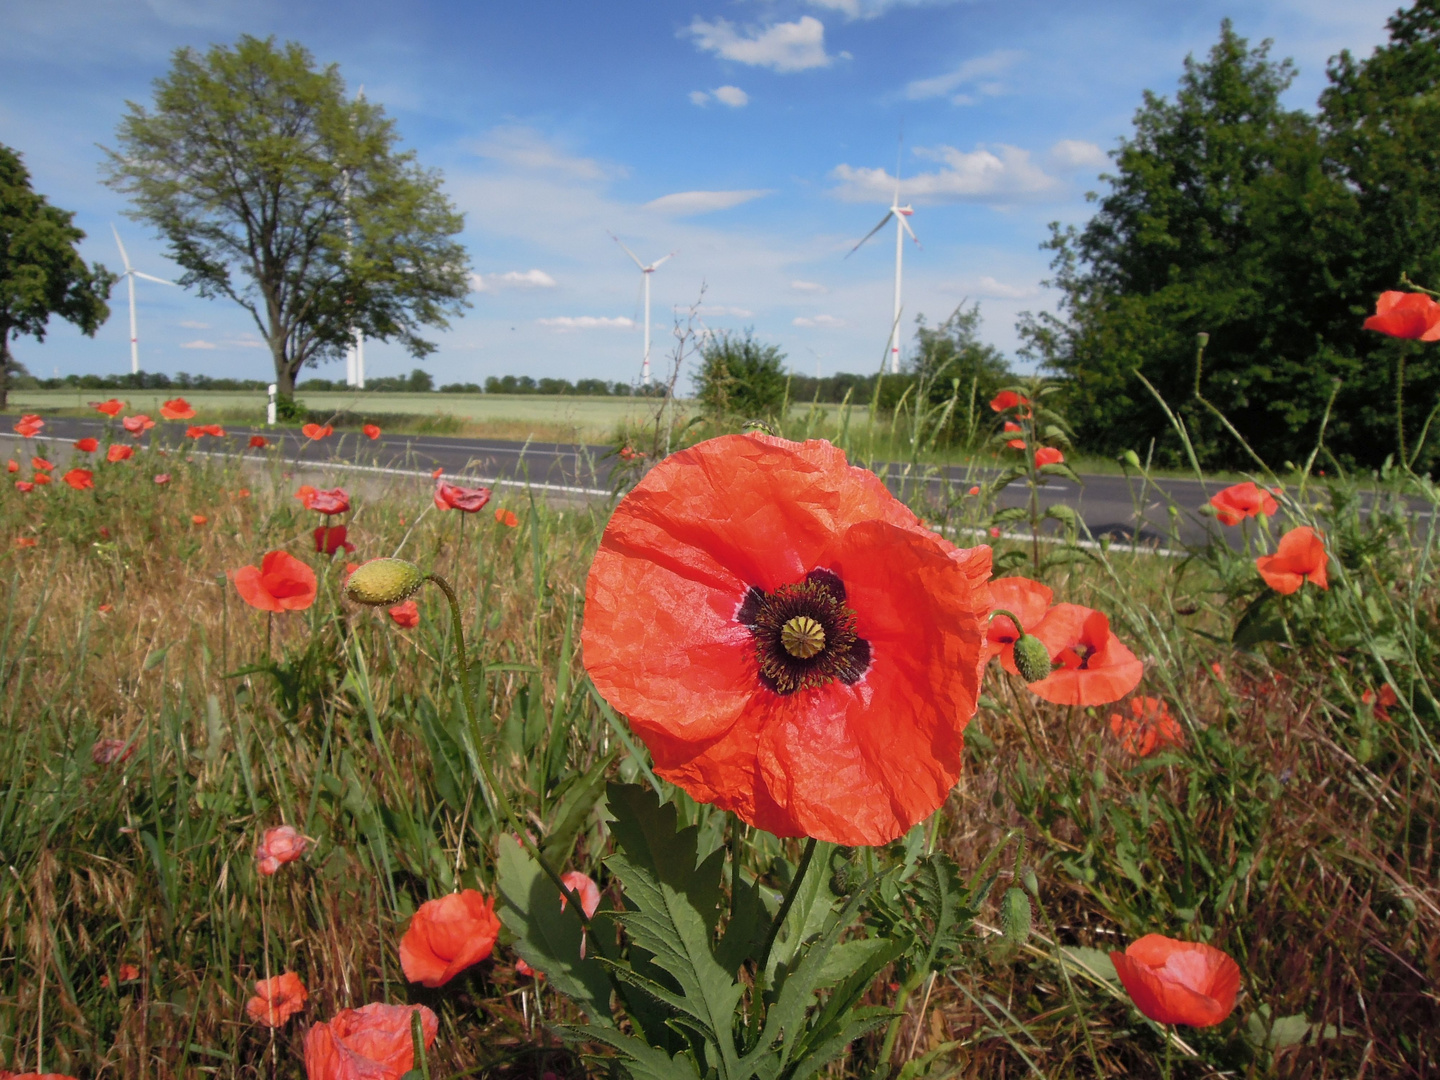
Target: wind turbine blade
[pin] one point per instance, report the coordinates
(657, 262)
(627, 251)
(123, 257)
(883, 222)
(906, 226)
(151, 277)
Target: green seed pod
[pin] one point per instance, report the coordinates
(1032, 659)
(384, 582)
(1132, 459)
(1015, 916)
(1202, 339)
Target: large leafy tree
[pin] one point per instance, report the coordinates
(41, 273)
(276, 190)
(1220, 218)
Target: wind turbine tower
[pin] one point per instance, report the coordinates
(902, 226)
(645, 272)
(130, 275)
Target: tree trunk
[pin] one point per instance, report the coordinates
(4, 367)
(284, 374)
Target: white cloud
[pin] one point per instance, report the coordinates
(699, 97)
(716, 311)
(1003, 175)
(783, 47)
(869, 9)
(732, 96)
(808, 287)
(988, 288)
(817, 320)
(686, 203)
(587, 322)
(1078, 154)
(520, 279)
(191, 324)
(525, 149)
(970, 73)
(198, 344)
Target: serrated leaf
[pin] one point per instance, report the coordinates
(813, 906)
(1094, 962)
(747, 929)
(1060, 469)
(1061, 512)
(1261, 621)
(642, 1061)
(570, 813)
(1009, 513)
(545, 936)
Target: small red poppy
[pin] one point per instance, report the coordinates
(177, 409)
(41, 463)
(109, 751)
(1048, 455)
(258, 442)
(105, 609)
(194, 431)
(162, 478)
(1300, 557)
(119, 452)
(1406, 315)
(79, 479)
(1382, 704)
(330, 539)
(109, 408)
(369, 1043)
(85, 446)
(1095, 668)
(213, 429)
(787, 639)
(1239, 501)
(406, 615)
(334, 501)
(974, 490)
(316, 431)
(455, 497)
(437, 472)
(242, 493)
(137, 424)
(26, 542)
(277, 999)
(1028, 601)
(448, 935)
(1008, 399)
(1178, 982)
(24, 486)
(42, 479)
(371, 431)
(198, 519)
(128, 973)
(1010, 428)
(14, 466)
(1148, 728)
(28, 426)
(280, 845)
(281, 583)
(506, 518)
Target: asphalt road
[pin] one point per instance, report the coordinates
(1106, 503)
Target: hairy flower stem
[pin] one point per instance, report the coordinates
(417, 1037)
(479, 757)
(1001, 611)
(785, 906)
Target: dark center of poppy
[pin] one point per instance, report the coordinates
(805, 634)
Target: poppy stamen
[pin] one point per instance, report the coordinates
(802, 637)
(805, 634)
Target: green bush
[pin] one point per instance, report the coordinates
(740, 377)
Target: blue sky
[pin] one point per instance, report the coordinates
(758, 138)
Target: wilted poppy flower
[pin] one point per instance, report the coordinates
(448, 935)
(280, 845)
(371, 431)
(1094, 667)
(406, 615)
(26, 542)
(507, 518)
(109, 408)
(1178, 982)
(24, 486)
(1008, 399)
(1239, 501)
(29, 425)
(1406, 315)
(1382, 703)
(277, 999)
(1299, 558)
(119, 452)
(177, 409)
(109, 751)
(1028, 601)
(41, 463)
(334, 501)
(1048, 455)
(137, 424)
(162, 478)
(1148, 728)
(331, 539)
(198, 519)
(369, 1043)
(85, 446)
(281, 583)
(79, 479)
(787, 639)
(454, 497)
(316, 431)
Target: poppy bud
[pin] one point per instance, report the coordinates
(1015, 916)
(1132, 459)
(1202, 339)
(384, 582)
(1032, 659)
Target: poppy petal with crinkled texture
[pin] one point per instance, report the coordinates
(1111, 673)
(1178, 982)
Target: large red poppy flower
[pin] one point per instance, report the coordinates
(281, 583)
(1178, 982)
(79, 479)
(317, 431)
(448, 935)
(1239, 501)
(371, 431)
(1300, 557)
(1148, 728)
(258, 442)
(177, 409)
(137, 424)
(455, 497)
(1406, 315)
(109, 408)
(1028, 601)
(277, 999)
(369, 1043)
(1095, 668)
(787, 638)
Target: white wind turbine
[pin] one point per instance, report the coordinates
(899, 213)
(130, 275)
(645, 272)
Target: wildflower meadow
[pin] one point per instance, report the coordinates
(753, 770)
